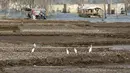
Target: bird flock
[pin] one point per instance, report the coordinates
(67, 50)
(76, 51)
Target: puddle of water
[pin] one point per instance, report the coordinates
(121, 47)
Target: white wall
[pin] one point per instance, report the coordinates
(57, 7)
(73, 7)
(116, 7)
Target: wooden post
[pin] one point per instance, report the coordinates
(109, 6)
(126, 6)
(65, 8)
(46, 6)
(83, 2)
(105, 9)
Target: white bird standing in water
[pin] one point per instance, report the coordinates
(75, 50)
(33, 50)
(67, 51)
(90, 49)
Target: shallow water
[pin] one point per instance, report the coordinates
(120, 47)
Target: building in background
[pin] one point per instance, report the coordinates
(112, 6)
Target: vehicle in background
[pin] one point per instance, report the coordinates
(36, 13)
(90, 12)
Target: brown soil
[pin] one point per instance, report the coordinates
(62, 59)
(69, 69)
(12, 57)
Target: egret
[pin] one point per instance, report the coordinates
(33, 50)
(67, 51)
(75, 50)
(90, 49)
(34, 45)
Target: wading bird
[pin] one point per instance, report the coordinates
(33, 50)
(67, 51)
(90, 49)
(75, 50)
(34, 45)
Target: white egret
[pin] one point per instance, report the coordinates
(75, 50)
(90, 49)
(33, 50)
(67, 51)
(34, 45)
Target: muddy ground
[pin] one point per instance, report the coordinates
(16, 46)
(69, 69)
(98, 62)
